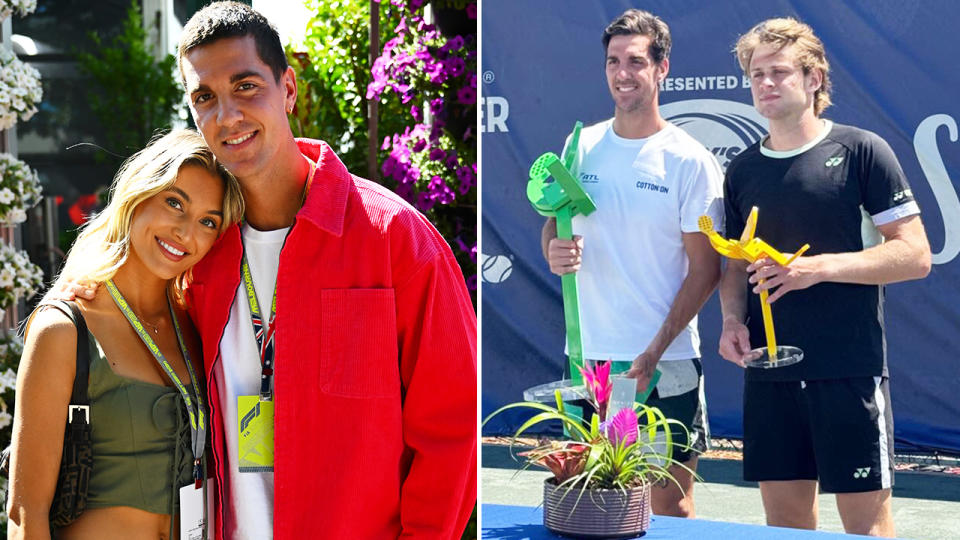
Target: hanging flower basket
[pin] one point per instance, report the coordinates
(21, 7)
(20, 90)
(19, 190)
(596, 513)
(19, 278)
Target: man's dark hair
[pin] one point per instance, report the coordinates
(643, 23)
(221, 20)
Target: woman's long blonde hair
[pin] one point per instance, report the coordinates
(104, 242)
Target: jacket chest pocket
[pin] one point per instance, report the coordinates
(358, 343)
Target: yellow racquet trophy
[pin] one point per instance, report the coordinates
(750, 248)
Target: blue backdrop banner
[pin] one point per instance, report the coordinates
(894, 70)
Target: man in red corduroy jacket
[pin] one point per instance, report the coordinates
(335, 306)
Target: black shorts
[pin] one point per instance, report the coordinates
(839, 432)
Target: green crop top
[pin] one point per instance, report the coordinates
(141, 440)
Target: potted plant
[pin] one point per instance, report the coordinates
(603, 474)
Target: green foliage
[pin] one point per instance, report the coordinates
(334, 77)
(131, 93)
(333, 70)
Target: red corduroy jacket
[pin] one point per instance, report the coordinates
(375, 384)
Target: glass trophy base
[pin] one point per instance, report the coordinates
(569, 391)
(786, 356)
(545, 393)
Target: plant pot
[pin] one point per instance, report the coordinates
(599, 513)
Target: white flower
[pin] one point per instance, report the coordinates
(19, 186)
(20, 89)
(8, 380)
(5, 419)
(16, 215)
(6, 278)
(18, 278)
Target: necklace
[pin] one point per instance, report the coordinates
(154, 327)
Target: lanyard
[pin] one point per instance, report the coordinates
(198, 428)
(265, 334)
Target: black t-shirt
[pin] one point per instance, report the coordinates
(816, 197)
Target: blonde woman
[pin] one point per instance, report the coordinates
(169, 203)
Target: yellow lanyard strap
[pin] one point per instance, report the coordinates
(198, 428)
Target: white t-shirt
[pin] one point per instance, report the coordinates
(248, 507)
(647, 192)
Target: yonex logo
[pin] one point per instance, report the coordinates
(900, 195)
(834, 161)
(861, 473)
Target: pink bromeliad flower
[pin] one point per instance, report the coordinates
(621, 428)
(597, 379)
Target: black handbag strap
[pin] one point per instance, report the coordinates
(79, 399)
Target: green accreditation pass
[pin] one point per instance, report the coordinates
(256, 434)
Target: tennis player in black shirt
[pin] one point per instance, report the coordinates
(827, 419)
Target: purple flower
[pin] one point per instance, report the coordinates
(466, 177)
(472, 282)
(467, 95)
(437, 154)
(455, 66)
(413, 174)
(389, 45)
(436, 73)
(423, 55)
(388, 165)
(424, 202)
(419, 145)
(467, 248)
(415, 113)
(443, 194)
(399, 171)
(453, 44)
(405, 191)
(472, 10)
(451, 161)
